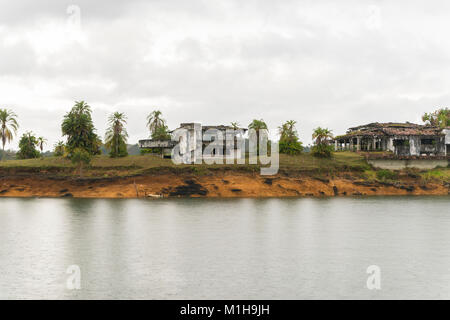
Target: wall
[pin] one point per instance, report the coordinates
(393, 164)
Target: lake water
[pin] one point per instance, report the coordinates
(225, 249)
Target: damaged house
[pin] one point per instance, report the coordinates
(193, 138)
(402, 139)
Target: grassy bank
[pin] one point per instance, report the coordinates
(342, 161)
(346, 174)
(104, 166)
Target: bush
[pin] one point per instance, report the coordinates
(80, 157)
(60, 149)
(386, 175)
(291, 147)
(322, 151)
(150, 151)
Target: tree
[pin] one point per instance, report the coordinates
(235, 125)
(321, 134)
(60, 149)
(161, 133)
(321, 149)
(41, 142)
(28, 146)
(289, 143)
(439, 118)
(8, 127)
(80, 157)
(155, 121)
(116, 135)
(79, 129)
(257, 125)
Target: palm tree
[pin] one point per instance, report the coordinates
(41, 142)
(154, 121)
(321, 134)
(235, 125)
(81, 107)
(287, 131)
(117, 135)
(8, 126)
(79, 128)
(257, 125)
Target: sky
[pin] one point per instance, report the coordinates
(334, 64)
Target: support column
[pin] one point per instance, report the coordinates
(358, 144)
(335, 145)
(374, 144)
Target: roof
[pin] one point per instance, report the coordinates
(393, 129)
(221, 127)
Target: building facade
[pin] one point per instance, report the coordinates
(402, 139)
(196, 143)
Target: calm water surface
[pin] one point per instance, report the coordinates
(225, 249)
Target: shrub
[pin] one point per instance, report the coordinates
(290, 147)
(150, 151)
(322, 151)
(384, 174)
(59, 149)
(80, 157)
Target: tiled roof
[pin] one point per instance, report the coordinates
(393, 129)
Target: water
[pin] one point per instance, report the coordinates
(225, 249)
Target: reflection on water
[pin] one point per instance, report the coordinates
(223, 249)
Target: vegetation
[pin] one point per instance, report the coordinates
(41, 142)
(439, 118)
(80, 157)
(8, 127)
(79, 129)
(442, 174)
(321, 149)
(60, 149)
(155, 122)
(384, 174)
(161, 133)
(257, 125)
(289, 143)
(235, 125)
(28, 146)
(116, 135)
(83, 148)
(139, 164)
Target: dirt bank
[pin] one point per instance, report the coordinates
(222, 184)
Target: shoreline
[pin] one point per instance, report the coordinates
(219, 185)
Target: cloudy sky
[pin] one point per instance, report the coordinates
(322, 63)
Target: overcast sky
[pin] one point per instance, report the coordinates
(322, 63)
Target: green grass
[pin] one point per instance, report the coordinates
(384, 174)
(442, 174)
(104, 166)
(101, 165)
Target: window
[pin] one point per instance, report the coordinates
(427, 141)
(398, 143)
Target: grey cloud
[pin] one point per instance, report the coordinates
(221, 61)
